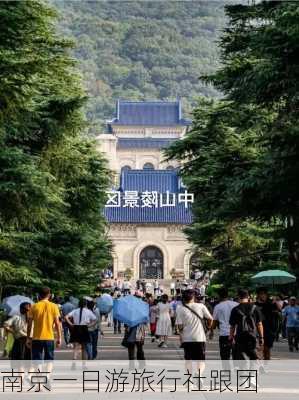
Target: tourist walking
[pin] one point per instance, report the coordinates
(178, 287)
(221, 317)
(291, 316)
(126, 287)
(94, 330)
(156, 288)
(245, 324)
(116, 326)
(43, 316)
(79, 321)
(163, 329)
(116, 285)
(138, 284)
(270, 312)
(172, 288)
(197, 275)
(173, 304)
(17, 326)
(116, 323)
(190, 320)
(66, 308)
(134, 341)
(153, 313)
(143, 286)
(110, 320)
(148, 287)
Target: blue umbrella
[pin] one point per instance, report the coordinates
(131, 311)
(105, 303)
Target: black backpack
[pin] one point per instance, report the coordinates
(247, 331)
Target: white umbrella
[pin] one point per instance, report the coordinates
(12, 304)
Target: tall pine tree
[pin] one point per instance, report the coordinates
(241, 157)
(52, 179)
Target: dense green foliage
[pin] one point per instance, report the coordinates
(143, 50)
(241, 156)
(52, 179)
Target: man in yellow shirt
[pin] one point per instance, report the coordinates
(44, 316)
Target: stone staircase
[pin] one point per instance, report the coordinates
(165, 283)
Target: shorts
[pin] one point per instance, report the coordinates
(194, 350)
(79, 334)
(269, 340)
(43, 350)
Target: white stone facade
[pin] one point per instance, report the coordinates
(130, 239)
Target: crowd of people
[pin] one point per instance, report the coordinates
(247, 326)
(177, 286)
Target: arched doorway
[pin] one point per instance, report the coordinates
(148, 165)
(151, 263)
(125, 168)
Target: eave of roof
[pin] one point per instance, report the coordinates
(166, 215)
(144, 143)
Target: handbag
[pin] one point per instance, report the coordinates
(125, 342)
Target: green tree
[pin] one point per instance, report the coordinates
(260, 71)
(149, 50)
(217, 154)
(241, 156)
(52, 179)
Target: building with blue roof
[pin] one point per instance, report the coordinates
(148, 207)
(148, 113)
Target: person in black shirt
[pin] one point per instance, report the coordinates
(245, 322)
(270, 318)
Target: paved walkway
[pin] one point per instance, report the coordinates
(110, 348)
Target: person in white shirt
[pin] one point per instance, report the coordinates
(190, 318)
(197, 275)
(172, 288)
(79, 321)
(160, 290)
(221, 316)
(126, 288)
(17, 326)
(148, 287)
(94, 330)
(163, 329)
(178, 288)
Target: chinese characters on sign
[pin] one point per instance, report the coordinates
(134, 199)
(119, 381)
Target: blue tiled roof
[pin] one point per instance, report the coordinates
(166, 215)
(150, 180)
(144, 143)
(146, 113)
